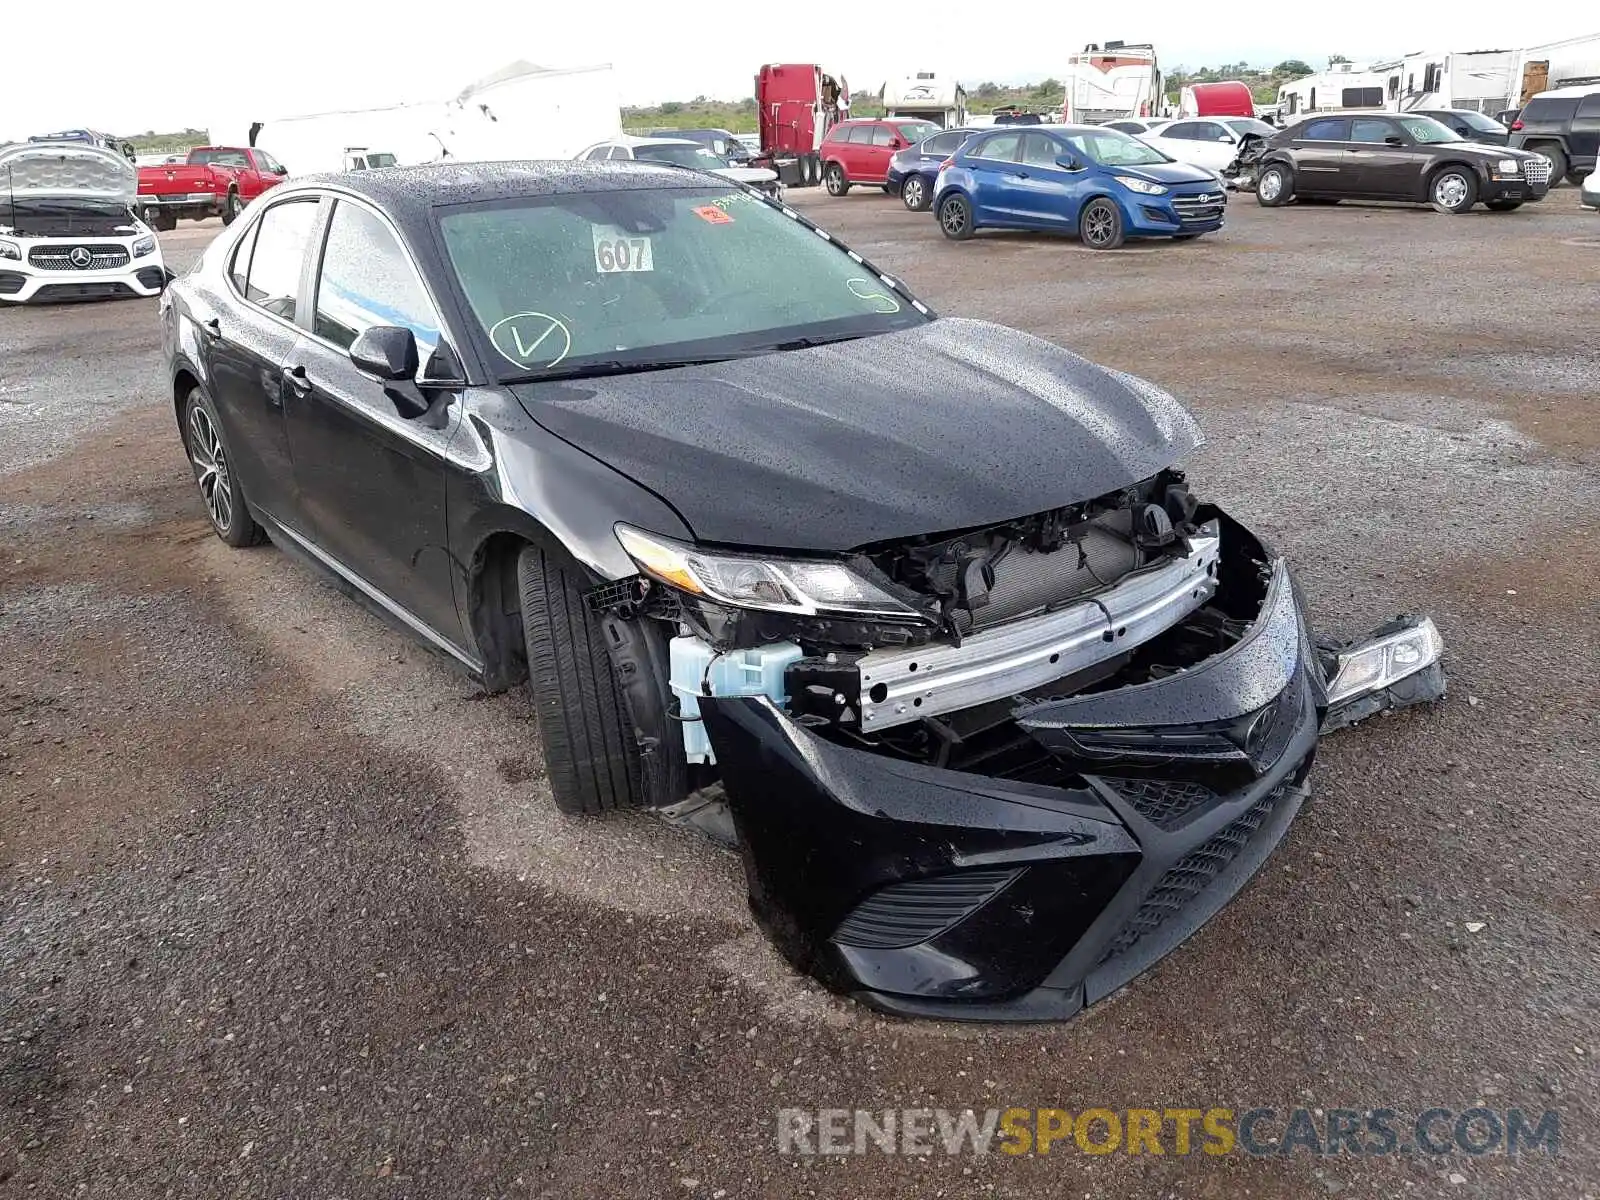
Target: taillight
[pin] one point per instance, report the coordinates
(1516, 125)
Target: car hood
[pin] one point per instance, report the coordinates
(64, 171)
(746, 174)
(950, 425)
(1485, 150)
(1174, 172)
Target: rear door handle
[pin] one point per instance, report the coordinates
(295, 377)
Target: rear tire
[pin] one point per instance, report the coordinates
(1100, 225)
(955, 217)
(1275, 186)
(838, 185)
(1502, 205)
(231, 208)
(915, 193)
(1558, 161)
(591, 755)
(1453, 190)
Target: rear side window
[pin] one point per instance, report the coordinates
(282, 235)
(1369, 130)
(1185, 131)
(1551, 108)
(944, 143)
(1039, 150)
(1325, 131)
(367, 280)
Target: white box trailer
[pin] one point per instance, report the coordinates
(330, 141)
(1342, 87)
(524, 111)
(928, 96)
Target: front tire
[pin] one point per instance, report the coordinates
(1502, 205)
(1100, 225)
(213, 474)
(591, 755)
(1453, 190)
(838, 185)
(955, 217)
(915, 193)
(1275, 186)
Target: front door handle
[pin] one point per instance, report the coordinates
(212, 327)
(295, 377)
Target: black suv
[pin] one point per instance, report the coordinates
(1564, 126)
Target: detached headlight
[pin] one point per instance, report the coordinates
(10, 250)
(1143, 186)
(145, 245)
(1509, 166)
(1377, 664)
(802, 586)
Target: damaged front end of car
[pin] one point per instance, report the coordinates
(996, 773)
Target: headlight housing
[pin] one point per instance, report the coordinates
(1375, 665)
(1143, 186)
(144, 246)
(10, 250)
(805, 587)
(1509, 166)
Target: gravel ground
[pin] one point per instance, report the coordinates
(285, 909)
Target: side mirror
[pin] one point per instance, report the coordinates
(1394, 139)
(1068, 162)
(280, 169)
(385, 352)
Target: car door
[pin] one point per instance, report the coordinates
(1382, 162)
(1214, 145)
(993, 163)
(886, 140)
(1045, 193)
(247, 343)
(1319, 150)
(372, 483)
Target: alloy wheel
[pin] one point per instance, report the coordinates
(953, 216)
(1270, 185)
(210, 468)
(1098, 224)
(911, 192)
(1450, 190)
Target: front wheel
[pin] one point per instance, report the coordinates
(914, 193)
(591, 755)
(1502, 205)
(1100, 226)
(955, 217)
(838, 185)
(1453, 190)
(1275, 187)
(213, 473)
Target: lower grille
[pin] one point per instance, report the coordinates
(151, 277)
(1164, 804)
(1537, 171)
(1190, 876)
(83, 291)
(61, 258)
(904, 914)
(11, 283)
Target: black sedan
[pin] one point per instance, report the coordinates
(1001, 710)
(1468, 125)
(913, 170)
(1395, 157)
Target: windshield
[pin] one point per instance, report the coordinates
(1244, 125)
(681, 154)
(1425, 131)
(1481, 123)
(596, 279)
(1111, 148)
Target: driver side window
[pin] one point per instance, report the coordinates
(367, 280)
(1370, 130)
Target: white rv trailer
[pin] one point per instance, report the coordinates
(1119, 80)
(1482, 80)
(1566, 63)
(928, 96)
(1342, 87)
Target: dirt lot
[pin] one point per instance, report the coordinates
(286, 910)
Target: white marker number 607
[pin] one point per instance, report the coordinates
(616, 251)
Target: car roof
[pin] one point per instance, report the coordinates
(629, 140)
(409, 193)
(1568, 93)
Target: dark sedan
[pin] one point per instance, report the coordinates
(1001, 711)
(913, 170)
(1468, 125)
(1403, 157)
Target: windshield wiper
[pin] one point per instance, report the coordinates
(619, 366)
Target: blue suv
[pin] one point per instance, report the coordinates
(913, 170)
(1086, 179)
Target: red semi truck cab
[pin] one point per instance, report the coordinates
(213, 181)
(796, 105)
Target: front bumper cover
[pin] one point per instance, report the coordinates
(941, 893)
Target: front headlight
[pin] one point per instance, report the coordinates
(10, 250)
(793, 585)
(1377, 664)
(145, 245)
(1143, 186)
(1509, 166)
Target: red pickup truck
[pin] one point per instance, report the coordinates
(214, 181)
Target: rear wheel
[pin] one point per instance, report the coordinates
(838, 185)
(955, 217)
(231, 208)
(1558, 161)
(591, 755)
(914, 193)
(1100, 225)
(1275, 186)
(1502, 205)
(1453, 190)
(166, 222)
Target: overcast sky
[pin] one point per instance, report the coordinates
(287, 57)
